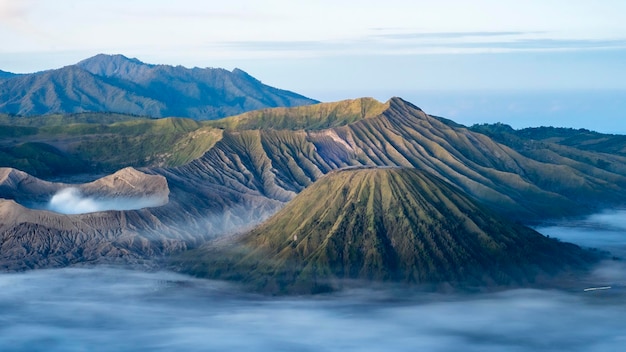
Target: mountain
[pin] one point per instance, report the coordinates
(582, 139)
(230, 175)
(392, 225)
(68, 90)
(129, 217)
(106, 83)
(279, 163)
(5, 75)
(276, 153)
(34, 236)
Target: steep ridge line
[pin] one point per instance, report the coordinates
(281, 163)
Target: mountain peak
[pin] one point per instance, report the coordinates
(241, 72)
(116, 83)
(108, 58)
(399, 102)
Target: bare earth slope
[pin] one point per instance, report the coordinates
(278, 163)
(35, 238)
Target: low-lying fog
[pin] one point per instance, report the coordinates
(72, 201)
(109, 309)
(605, 230)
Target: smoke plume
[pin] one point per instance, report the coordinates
(72, 201)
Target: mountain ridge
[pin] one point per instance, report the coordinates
(526, 184)
(309, 117)
(582, 139)
(115, 83)
(5, 75)
(238, 177)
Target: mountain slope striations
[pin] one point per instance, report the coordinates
(231, 177)
(391, 224)
(280, 162)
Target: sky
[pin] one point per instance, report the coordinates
(480, 60)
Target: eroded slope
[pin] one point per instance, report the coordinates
(389, 225)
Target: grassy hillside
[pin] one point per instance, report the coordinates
(277, 153)
(582, 139)
(102, 118)
(397, 225)
(58, 145)
(526, 186)
(309, 117)
(41, 160)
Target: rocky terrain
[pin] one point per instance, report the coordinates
(33, 235)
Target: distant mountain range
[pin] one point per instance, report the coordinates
(115, 83)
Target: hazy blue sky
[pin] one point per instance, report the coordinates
(330, 50)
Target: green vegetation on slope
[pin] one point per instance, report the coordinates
(582, 139)
(279, 163)
(309, 117)
(100, 118)
(397, 225)
(89, 145)
(583, 152)
(262, 155)
(41, 160)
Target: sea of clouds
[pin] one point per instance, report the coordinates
(113, 309)
(108, 309)
(605, 230)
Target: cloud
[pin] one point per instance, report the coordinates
(415, 43)
(447, 35)
(503, 41)
(544, 44)
(71, 201)
(612, 220)
(112, 309)
(605, 230)
(179, 13)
